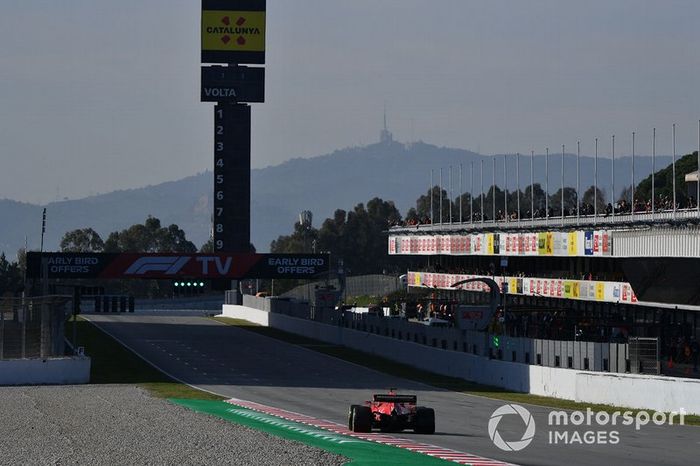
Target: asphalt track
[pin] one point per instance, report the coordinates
(241, 364)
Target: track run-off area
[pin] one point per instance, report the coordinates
(277, 385)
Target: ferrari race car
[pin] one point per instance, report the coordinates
(392, 413)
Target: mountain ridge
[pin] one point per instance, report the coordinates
(338, 180)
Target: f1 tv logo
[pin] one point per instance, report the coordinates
(172, 265)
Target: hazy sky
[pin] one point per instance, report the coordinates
(98, 95)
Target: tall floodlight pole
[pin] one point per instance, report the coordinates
(532, 185)
(517, 177)
(449, 198)
(546, 185)
(653, 173)
(563, 148)
(482, 190)
(578, 181)
(43, 231)
(430, 194)
(674, 171)
(595, 184)
(440, 196)
(461, 194)
(471, 192)
(612, 194)
(697, 196)
(505, 188)
(493, 186)
(633, 137)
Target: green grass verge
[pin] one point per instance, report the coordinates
(430, 378)
(113, 364)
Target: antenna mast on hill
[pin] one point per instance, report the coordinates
(385, 137)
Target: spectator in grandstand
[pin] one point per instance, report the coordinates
(609, 209)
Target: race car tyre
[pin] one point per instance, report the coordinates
(360, 418)
(351, 414)
(425, 421)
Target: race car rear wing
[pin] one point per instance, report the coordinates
(412, 399)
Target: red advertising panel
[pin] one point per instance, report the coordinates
(175, 265)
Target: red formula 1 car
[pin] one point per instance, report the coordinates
(392, 413)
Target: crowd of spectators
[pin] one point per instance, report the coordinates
(680, 352)
(683, 350)
(553, 324)
(663, 203)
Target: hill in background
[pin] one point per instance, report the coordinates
(389, 170)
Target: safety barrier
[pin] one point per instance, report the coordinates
(50, 371)
(32, 327)
(630, 390)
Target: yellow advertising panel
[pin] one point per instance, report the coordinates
(541, 244)
(233, 31)
(513, 285)
(573, 246)
(489, 243)
(575, 290)
(416, 279)
(550, 244)
(599, 291)
(568, 289)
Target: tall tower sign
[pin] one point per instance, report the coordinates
(233, 33)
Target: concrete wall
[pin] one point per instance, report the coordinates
(57, 371)
(634, 391)
(652, 392)
(246, 313)
(278, 306)
(584, 355)
(208, 303)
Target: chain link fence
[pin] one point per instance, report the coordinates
(644, 355)
(364, 285)
(32, 327)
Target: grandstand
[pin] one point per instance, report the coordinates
(619, 276)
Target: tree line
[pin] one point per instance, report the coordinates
(436, 205)
(147, 237)
(497, 203)
(358, 236)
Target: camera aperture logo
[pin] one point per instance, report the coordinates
(507, 410)
(578, 427)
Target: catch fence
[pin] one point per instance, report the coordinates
(32, 327)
